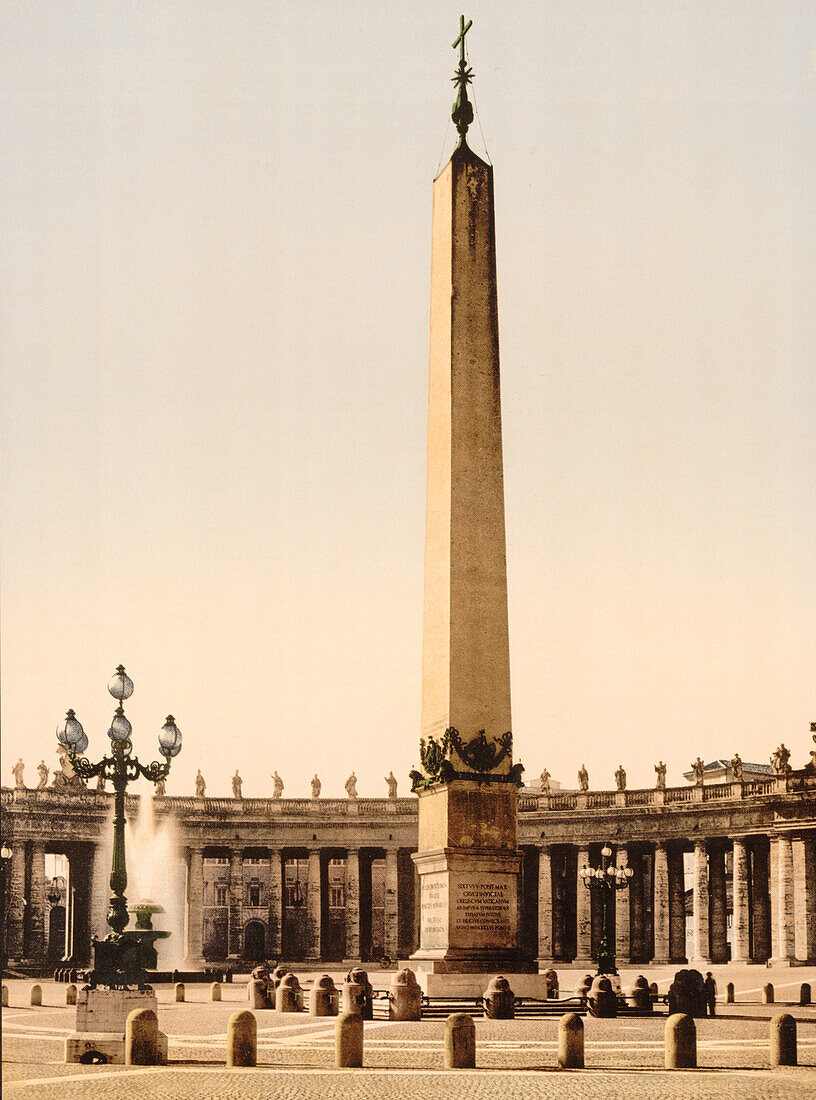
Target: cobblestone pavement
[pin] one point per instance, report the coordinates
(624, 1058)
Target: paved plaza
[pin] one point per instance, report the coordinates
(295, 1052)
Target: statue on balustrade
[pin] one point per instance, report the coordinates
(159, 788)
(200, 785)
(237, 783)
(277, 785)
(736, 768)
(779, 761)
(100, 781)
(620, 778)
(392, 785)
(544, 782)
(660, 769)
(17, 772)
(316, 786)
(583, 778)
(698, 767)
(66, 780)
(351, 786)
(42, 772)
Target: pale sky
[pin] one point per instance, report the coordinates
(216, 226)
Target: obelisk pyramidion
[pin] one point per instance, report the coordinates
(467, 859)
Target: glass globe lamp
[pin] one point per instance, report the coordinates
(170, 738)
(72, 733)
(120, 728)
(120, 684)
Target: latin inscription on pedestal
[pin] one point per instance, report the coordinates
(483, 910)
(434, 910)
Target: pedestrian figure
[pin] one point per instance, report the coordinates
(710, 994)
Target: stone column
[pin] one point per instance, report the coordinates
(583, 913)
(760, 900)
(352, 905)
(545, 907)
(314, 906)
(36, 904)
(741, 940)
(391, 914)
(718, 918)
(236, 905)
(637, 930)
(677, 906)
(275, 903)
(782, 915)
(559, 867)
(700, 945)
(660, 905)
(15, 921)
(194, 956)
(622, 940)
(804, 898)
(99, 886)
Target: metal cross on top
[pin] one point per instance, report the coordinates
(460, 41)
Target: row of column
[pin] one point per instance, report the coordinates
(315, 907)
(773, 902)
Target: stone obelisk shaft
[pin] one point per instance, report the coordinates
(465, 660)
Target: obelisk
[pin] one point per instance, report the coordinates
(467, 859)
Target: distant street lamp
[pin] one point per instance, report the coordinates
(605, 880)
(121, 768)
(53, 893)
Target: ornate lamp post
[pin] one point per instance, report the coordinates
(606, 879)
(121, 768)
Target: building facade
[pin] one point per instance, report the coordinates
(332, 880)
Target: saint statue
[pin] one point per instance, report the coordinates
(660, 768)
(620, 778)
(160, 788)
(236, 785)
(698, 767)
(200, 785)
(779, 760)
(315, 786)
(351, 786)
(583, 778)
(544, 782)
(17, 772)
(42, 772)
(100, 781)
(277, 785)
(392, 785)
(736, 767)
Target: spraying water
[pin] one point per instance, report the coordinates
(157, 873)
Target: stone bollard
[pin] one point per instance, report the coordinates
(179, 988)
(639, 998)
(804, 993)
(654, 992)
(768, 993)
(289, 995)
(348, 1040)
(278, 974)
(215, 992)
(460, 1041)
(36, 994)
(406, 997)
(70, 994)
(571, 1041)
(323, 1000)
(729, 993)
(256, 994)
(499, 1000)
(5, 996)
(582, 987)
(242, 1040)
(551, 980)
(361, 978)
(353, 998)
(680, 1042)
(783, 1040)
(601, 998)
(142, 1038)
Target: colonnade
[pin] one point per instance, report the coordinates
(398, 906)
(772, 902)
